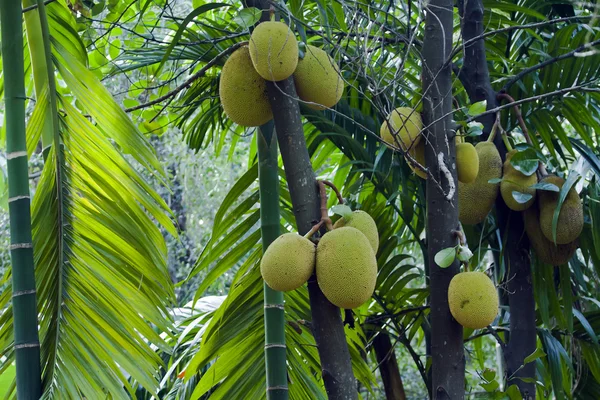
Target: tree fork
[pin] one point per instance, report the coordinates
(474, 76)
(447, 353)
(327, 325)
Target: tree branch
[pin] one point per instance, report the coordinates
(190, 80)
(552, 60)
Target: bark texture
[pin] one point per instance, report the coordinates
(522, 342)
(447, 354)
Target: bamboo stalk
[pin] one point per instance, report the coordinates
(268, 180)
(27, 345)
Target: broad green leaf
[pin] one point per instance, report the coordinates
(445, 257)
(525, 161)
(521, 197)
(534, 356)
(247, 17)
(477, 108)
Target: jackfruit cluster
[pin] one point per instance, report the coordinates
(272, 55)
(344, 261)
(473, 299)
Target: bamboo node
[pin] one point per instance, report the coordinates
(15, 246)
(279, 306)
(277, 388)
(16, 198)
(27, 345)
(16, 154)
(23, 293)
(275, 345)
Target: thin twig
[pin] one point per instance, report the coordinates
(324, 214)
(493, 332)
(516, 27)
(191, 80)
(583, 86)
(335, 189)
(541, 65)
(506, 96)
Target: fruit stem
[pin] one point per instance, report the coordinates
(272, 13)
(324, 213)
(494, 128)
(505, 140)
(517, 111)
(335, 189)
(314, 229)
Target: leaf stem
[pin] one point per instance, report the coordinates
(335, 189)
(517, 111)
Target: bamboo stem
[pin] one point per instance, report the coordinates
(275, 349)
(27, 345)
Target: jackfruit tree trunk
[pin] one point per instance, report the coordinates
(522, 340)
(447, 354)
(268, 180)
(27, 345)
(327, 326)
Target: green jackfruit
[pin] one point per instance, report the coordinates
(476, 199)
(243, 92)
(516, 181)
(318, 80)
(274, 50)
(417, 152)
(346, 267)
(473, 299)
(288, 262)
(364, 223)
(402, 128)
(467, 162)
(546, 251)
(570, 218)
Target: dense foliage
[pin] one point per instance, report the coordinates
(160, 197)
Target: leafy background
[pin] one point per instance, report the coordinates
(185, 156)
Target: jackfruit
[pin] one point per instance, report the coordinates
(243, 92)
(570, 218)
(406, 124)
(516, 181)
(364, 223)
(417, 152)
(476, 199)
(546, 251)
(274, 50)
(288, 262)
(346, 267)
(473, 299)
(318, 80)
(467, 162)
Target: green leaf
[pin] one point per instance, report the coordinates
(343, 210)
(525, 161)
(489, 374)
(514, 393)
(475, 128)
(247, 17)
(520, 197)
(495, 180)
(477, 108)
(445, 257)
(545, 186)
(534, 356)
